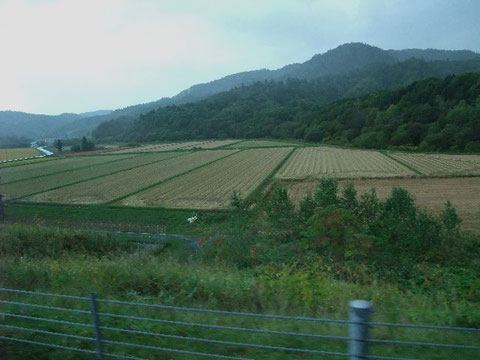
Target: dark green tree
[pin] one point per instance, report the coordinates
(58, 145)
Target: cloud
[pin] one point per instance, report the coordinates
(71, 55)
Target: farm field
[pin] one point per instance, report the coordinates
(211, 187)
(112, 187)
(4, 165)
(430, 193)
(440, 164)
(261, 143)
(29, 171)
(32, 186)
(209, 144)
(316, 162)
(10, 154)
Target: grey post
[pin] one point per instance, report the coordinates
(359, 316)
(96, 326)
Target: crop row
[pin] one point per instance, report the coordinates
(209, 144)
(34, 170)
(8, 154)
(111, 187)
(438, 164)
(32, 186)
(211, 187)
(260, 143)
(315, 162)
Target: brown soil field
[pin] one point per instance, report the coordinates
(430, 193)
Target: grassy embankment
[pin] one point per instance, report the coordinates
(77, 263)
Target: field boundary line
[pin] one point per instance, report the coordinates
(238, 142)
(270, 176)
(225, 147)
(95, 177)
(415, 170)
(111, 202)
(64, 171)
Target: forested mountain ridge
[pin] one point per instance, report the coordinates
(296, 109)
(17, 123)
(429, 115)
(342, 60)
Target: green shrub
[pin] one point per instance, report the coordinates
(39, 241)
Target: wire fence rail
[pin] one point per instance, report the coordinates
(357, 345)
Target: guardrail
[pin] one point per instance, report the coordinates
(17, 315)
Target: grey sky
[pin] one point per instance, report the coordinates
(75, 56)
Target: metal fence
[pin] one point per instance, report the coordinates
(25, 322)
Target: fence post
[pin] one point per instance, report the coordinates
(359, 316)
(96, 326)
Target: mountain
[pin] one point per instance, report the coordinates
(274, 108)
(34, 126)
(430, 114)
(433, 54)
(95, 113)
(342, 60)
(18, 123)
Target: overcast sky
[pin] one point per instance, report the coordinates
(83, 55)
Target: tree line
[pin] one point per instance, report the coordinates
(432, 114)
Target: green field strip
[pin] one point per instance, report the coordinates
(96, 177)
(172, 177)
(123, 218)
(101, 192)
(13, 164)
(270, 176)
(408, 166)
(123, 157)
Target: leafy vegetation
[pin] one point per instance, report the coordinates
(430, 114)
(274, 274)
(7, 142)
(84, 145)
(360, 239)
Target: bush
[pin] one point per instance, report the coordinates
(38, 241)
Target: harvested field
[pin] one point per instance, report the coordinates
(17, 153)
(441, 164)
(44, 168)
(315, 162)
(429, 193)
(111, 187)
(261, 143)
(44, 183)
(211, 187)
(190, 145)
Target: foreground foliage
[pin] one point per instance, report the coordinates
(360, 239)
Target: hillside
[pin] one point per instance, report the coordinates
(342, 60)
(16, 123)
(417, 115)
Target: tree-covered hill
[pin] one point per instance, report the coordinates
(339, 62)
(342, 60)
(430, 114)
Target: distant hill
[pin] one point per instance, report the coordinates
(342, 60)
(291, 108)
(18, 123)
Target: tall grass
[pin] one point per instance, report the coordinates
(77, 263)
